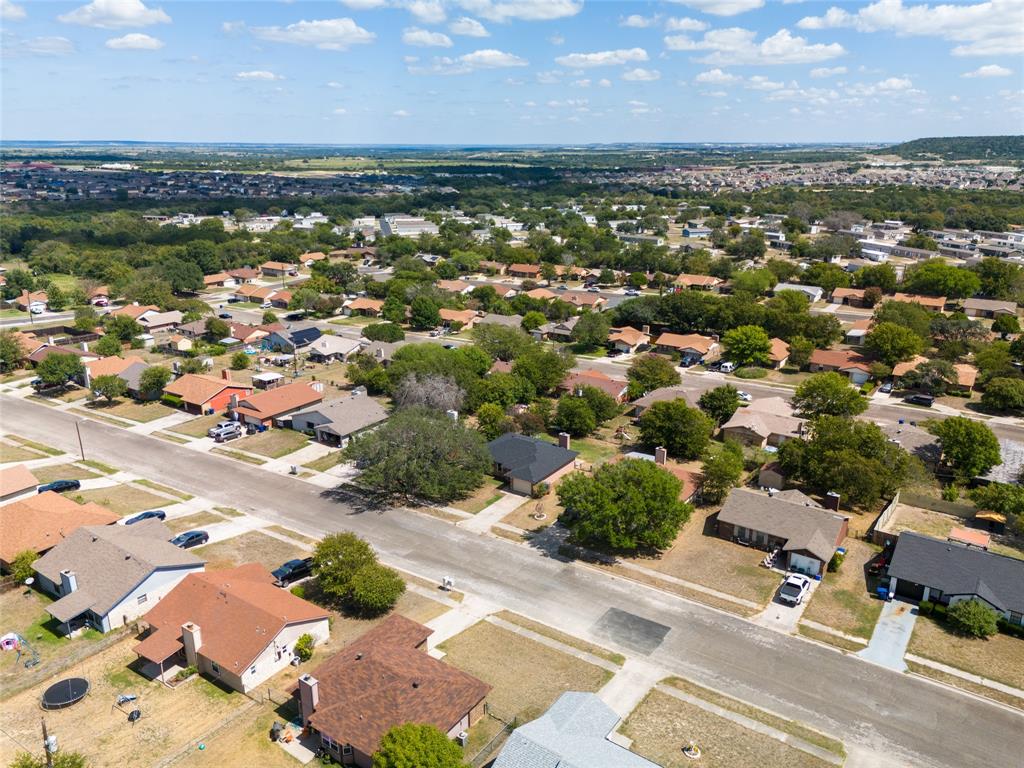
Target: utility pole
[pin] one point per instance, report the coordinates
(78, 429)
(46, 745)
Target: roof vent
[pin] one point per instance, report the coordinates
(415, 683)
(359, 656)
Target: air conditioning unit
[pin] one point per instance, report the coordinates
(462, 738)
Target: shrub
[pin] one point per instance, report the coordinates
(973, 618)
(750, 373)
(304, 647)
(239, 361)
(940, 611)
(186, 673)
(299, 590)
(836, 561)
(951, 492)
(374, 589)
(925, 608)
(1014, 630)
(540, 490)
(21, 566)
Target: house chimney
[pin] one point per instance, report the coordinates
(68, 582)
(832, 501)
(234, 402)
(378, 353)
(192, 640)
(51, 341)
(225, 374)
(660, 456)
(646, 330)
(309, 696)
(563, 440)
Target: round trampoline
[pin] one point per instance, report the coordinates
(65, 693)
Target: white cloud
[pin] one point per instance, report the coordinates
(584, 83)
(326, 34)
(364, 5)
(716, 77)
(11, 12)
(115, 14)
(410, 59)
(820, 72)
(339, 111)
(549, 77)
(735, 45)
(604, 82)
(983, 29)
(641, 75)
(468, 27)
(684, 25)
(811, 96)
(258, 74)
(135, 41)
(556, 40)
(487, 58)
(523, 10)
(722, 7)
(427, 11)
(762, 83)
(335, 84)
(401, 113)
(989, 70)
(636, 21)
(425, 38)
(39, 46)
(895, 84)
(231, 27)
(602, 58)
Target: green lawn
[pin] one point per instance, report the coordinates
(198, 426)
(274, 443)
(53, 472)
(591, 450)
(332, 459)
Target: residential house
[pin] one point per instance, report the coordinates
(807, 535)
(133, 310)
(290, 336)
(560, 331)
(39, 522)
(382, 351)
(153, 322)
(934, 303)
(691, 347)
(575, 732)
(989, 308)
(525, 271)
(854, 297)
(100, 296)
(778, 355)
(328, 349)
(946, 572)
(278, 269)
(493, 267)
(541, 294)
(243, 275)
(812, 292)
(525, 462)
(855, 332)
(915, 441)
(219, 280)
(280, 299)
(309, 259)
(660, 395)
(178, 343)
(966, 376)
(44, 351)
(902, 369)
(383, 679)
(132, 378)
(233, 625)
(771, 476)
(271, 407)
(697, 282)
(575, 381)
(109, 366)
(106, 576)
(199, 393)
(584, 300)
(691, 481)
(766, 421)
(628, 339)
(31, 300)
(461, 318)
(17, 482)
(844, 361)
(455, 286)
(256, 294)
(504, 291)
(508, 321)
(363, 306)
(338, 421)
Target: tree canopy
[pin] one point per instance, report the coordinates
(673, 425)
(828, 394)
(412, 745)
(969, 447)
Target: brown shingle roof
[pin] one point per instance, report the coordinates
(197, 389)
(842, 359)
(16, 479)
(695, 341)
(608, 385)
(628, 335)
(113, 365)
(40, 522)
(703, 281)
(382, 680)
(363, 303)
(272, 402)
(134, 311)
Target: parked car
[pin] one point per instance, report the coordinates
(886, 388)
(632, 292)
(727, 367)
(190, 539)
(266, 305)
(224, 315)
(60, 486)
(925, 400)
(233, 300)
(744, 396)
(794, 589)
(153, 514)
(292, 571)
(593, 290)
(561, 288)
(218, 426)
(229, 432)
(435, 333)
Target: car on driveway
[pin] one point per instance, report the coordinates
(794, 589)
(886, 388)
(292, 571)
(925, 400)
(153, 514)
(190, 539)
(60, 486)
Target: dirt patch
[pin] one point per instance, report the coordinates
(190, 522)
(53, 472)
(122, 499)
(999, 658)
(251, 547)
(661, 725)
(844, 600)
(274, 443)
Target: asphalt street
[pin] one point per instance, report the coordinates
(885, 718)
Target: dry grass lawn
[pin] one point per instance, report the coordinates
(198, 426)
(242, 744)
(661, 725)
(483, 497)
(238, 456)
(999, 658)
(123, 499)
(251, 547)
(332, 459)
(526, 676)
(10, 452)
(698, 555)
(130, 409)
(192, 522)
(843, 600)
(48, 474)
(938, 525)
(274, 443)
(523, 515)
(554, 634)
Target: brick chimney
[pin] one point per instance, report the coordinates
(646, 330)
(192, 640)
(563, 440)
(832, 501)
(660, 456)
(309, 696)
(225, 374)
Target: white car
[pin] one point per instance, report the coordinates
(744, 396)
(794, 589)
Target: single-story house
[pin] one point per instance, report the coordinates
(233, 625)
(219, 280)
(692, 347)
(560, 331)
(257, 294)
(454, 286)
(327, 349)
(584, 300)
(39, 522)
(530, 271)
(291, 336)
(934, 303)
(766, 421)
(278, 269)
(771, 476)
(990, 308)
(902, 369)
(243, 274)
(17, 482)
(492, 267)
(311, 258)
(691, 481)
(44, 351)
(856, 331)
(844, 361)
(508, 321)
(778, 355)
(697, 282)
(614, 388)
(966, 375)
(106, 576)
(201, 394)
(363, 306)
(338, 421)
(133, 310)
(915, 441)
(923, 568)
(525, 462)
(541, 294)
(807, 535)
(273, 405)
(178, 343)
(465, 317)
(159, 321)
(659, 395)
(573, 732)
(109, 366)
(628, 339)
(27, 299)
(132, 377)
(280, 299)
(383, 679)
(100, 296)
(854, 297)
(812, 292)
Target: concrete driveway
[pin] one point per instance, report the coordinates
(783, 617)
(892, 635)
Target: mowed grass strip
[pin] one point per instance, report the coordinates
(10, 452)
(48, 474)
(238, 456)
(573, 642)
(274, 443)
(193, 522)
(35, 446)
(123, 499)
(164, 489)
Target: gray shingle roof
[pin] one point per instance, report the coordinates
(345, 416)
(571, 734)
(527, 458)
(957, 569)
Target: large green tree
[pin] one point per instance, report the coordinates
(747, 345)
(58, 369)
(575, 416)
(337, 557)
(893, 343)
(722, 471)
(109, 386)
(969, 447)
(12, 354)
(828, 394)
(1004, 394)
(720, 403)
(937, 278)
(650, 372)
(413, 745)
(683, 431)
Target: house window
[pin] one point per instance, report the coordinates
(143, 598)
(327, 741)
(1016, 618)
(346, 750)
(214, 667)
(252, 670)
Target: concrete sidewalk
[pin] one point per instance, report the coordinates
(482, 521)
(630, 684)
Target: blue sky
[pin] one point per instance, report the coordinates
(510, 71)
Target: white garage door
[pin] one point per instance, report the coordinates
(804, 564)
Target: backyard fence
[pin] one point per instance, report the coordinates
(482, 757)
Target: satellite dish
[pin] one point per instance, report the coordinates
(30, 581)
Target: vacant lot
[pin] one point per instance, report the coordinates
(171, 719)
(274, 443)
(198, 426)
(843, 600)
(483, 497)
(48, 474)
(999, 658)
(130, 409)
(523, 689)
(662, 725)
(251, 547)
(122, 499)
(191, 522)
(700, 556)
